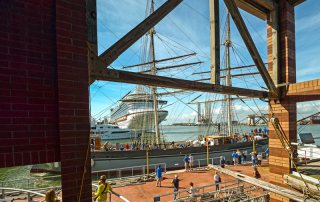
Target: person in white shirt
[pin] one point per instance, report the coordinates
(217, 180)
(190, 162)
(192, 192)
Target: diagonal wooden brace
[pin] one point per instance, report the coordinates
(136, 33)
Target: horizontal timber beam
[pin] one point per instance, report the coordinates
(167, 82)
(136, 33)
(258, 8)
(244, 32)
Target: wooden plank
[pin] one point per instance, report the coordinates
(108, 74)
(288, 193)
(243, 30)
(215, 41)
(136, 33)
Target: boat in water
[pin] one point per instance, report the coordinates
(108, 132)
(136, 111)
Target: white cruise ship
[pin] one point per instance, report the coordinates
(135, 111)
(110, 132)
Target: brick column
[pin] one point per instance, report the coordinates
(284, 109)
(73, 99)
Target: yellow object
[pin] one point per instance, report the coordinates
(101, 187)
(97, 143)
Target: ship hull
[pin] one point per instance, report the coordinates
(172, 157)
(140, 120)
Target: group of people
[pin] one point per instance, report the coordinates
(175, 182)
(238, 157)
(260, 131)
(188, 162)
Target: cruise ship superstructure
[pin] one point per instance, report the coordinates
(136, 111)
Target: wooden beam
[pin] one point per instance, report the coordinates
(267, 4)
(252, 8)
(215, 41)
(243, 30)
(114, 75)
(136, 33)
(297, 2)
(91, 20)
(288, 193)
(273, 22)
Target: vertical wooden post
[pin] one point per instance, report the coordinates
(273, 41)
(215, 41)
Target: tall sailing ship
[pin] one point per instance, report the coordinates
(222, 142)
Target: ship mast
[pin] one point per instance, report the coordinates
(228, 76)
(154, 89)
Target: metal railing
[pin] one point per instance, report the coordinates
(184, 194)
(233, 190)
(128, 171)
(29, 192)
(203, 162)
(41, 182)
(114, 193)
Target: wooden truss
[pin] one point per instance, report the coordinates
(264, 9)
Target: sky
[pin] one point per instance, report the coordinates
(186, 30)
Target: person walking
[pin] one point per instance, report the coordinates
(103, 188)
(217, 180)
(186, 161)
(234, 157)
(259, 159)
(267, 153)
(239, 153)
(222, 161)
(254, 158)
(256, 173)
(92, 145)
(190, 162)
(159, 175)
(192, 192)
(175, 183)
